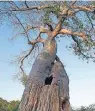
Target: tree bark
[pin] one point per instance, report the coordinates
(40, 97)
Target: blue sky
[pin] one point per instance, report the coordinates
(81, 74)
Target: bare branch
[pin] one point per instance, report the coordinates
(84, 8)
(21, 66)
(23, 28)
(33, 43)
(69, 32)
(26, 4)
(41, 28)
(28, 28)
(13, 3)
(37, 40)
(73, 2)
(30, 8)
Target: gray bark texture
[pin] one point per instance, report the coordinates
(37, 95)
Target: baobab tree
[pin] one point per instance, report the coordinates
(47, 86)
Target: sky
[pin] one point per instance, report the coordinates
(81, 74)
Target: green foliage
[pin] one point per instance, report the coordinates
(3, 105)
(82, 108)
(52, 9)
(13, 105)
(23, 79)
(93, 2)
(8, 106)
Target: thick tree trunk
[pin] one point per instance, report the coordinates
(37, 95)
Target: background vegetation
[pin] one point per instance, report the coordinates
(8, 106)
(13, 106)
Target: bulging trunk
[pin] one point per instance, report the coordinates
(39, 96)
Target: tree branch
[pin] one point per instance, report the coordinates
(37, 40)
(61, 20)
(21, 65)
(41, 28)
(26, 4)
(80, 50)
(30, 8)
(33, 43)
(73, 2)
(58, 27)
(13, 3)
(84, 8)
(23, 28)
(69, 32)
